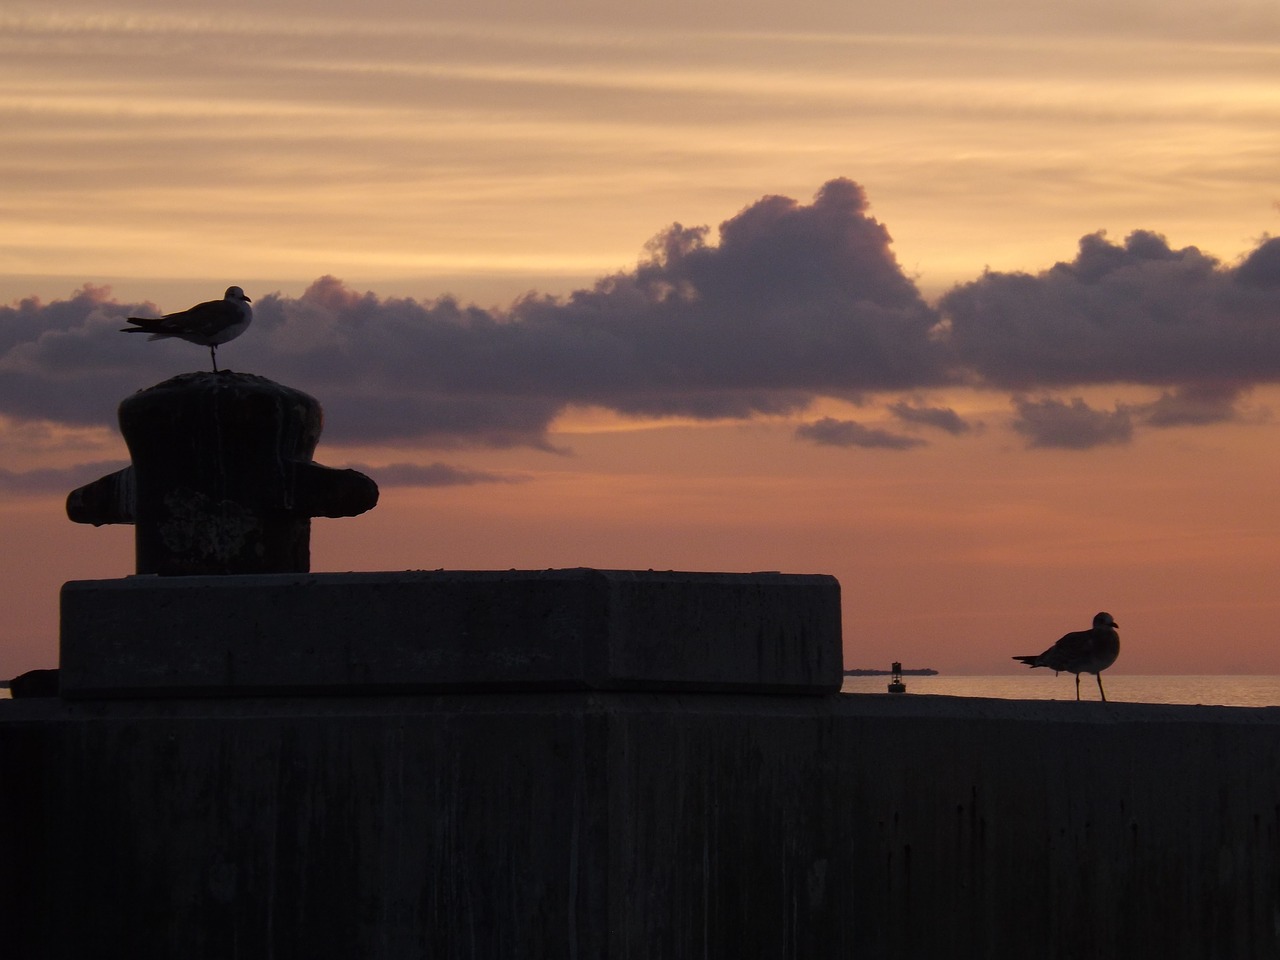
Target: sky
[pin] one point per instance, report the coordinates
(975, 307)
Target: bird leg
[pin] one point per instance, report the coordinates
(213, 352)
(1098, 677)
(1077, 686)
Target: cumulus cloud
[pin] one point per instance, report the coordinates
(849, 433)
(1261, 269)
(793, 301)
(61, 362)
(1070, 426)
(783, 303)
(1139, 313)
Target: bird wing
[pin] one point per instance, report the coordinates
(1075, 644)
(1070, 650)
(204, 319)
(198, 324)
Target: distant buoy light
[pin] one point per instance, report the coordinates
(895, 683)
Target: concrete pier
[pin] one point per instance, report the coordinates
(638, 825)
(614, 808)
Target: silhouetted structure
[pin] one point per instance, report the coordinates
(561, 763)
(34, 683)
(895, 682)
(222, 479)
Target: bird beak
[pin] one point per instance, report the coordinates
(248, 300)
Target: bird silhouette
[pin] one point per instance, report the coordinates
(208, 324)
(1084, 651)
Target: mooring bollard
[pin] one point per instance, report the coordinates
(222, 479)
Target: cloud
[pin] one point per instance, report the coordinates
(793, 302)
(783, 303)
(1197, 405)
(849, 433)
(63, 362)
(1138, 313)
(944, 418)
(1261, 269)
(433, 475)
(1070, 426)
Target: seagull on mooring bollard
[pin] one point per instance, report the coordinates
(208, 324)
(1085, 651)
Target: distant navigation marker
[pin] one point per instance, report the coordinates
(895, 683)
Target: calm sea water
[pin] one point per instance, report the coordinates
(1229, 691)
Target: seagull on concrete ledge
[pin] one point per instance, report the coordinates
(208, 324)
(1085, 651)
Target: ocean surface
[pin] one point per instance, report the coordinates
(1228, 691)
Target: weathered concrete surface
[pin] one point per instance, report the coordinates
(638, 826)
(433, 630)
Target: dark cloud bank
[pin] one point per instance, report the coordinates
(791, 302)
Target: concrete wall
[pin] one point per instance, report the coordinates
(637, 825)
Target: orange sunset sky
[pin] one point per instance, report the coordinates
(974, 306)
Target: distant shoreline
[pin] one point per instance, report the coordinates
(917, 672)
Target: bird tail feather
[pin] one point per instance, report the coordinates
(146, 325)
(1029, 661)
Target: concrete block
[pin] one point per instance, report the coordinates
(450, 631)
(633, 826)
